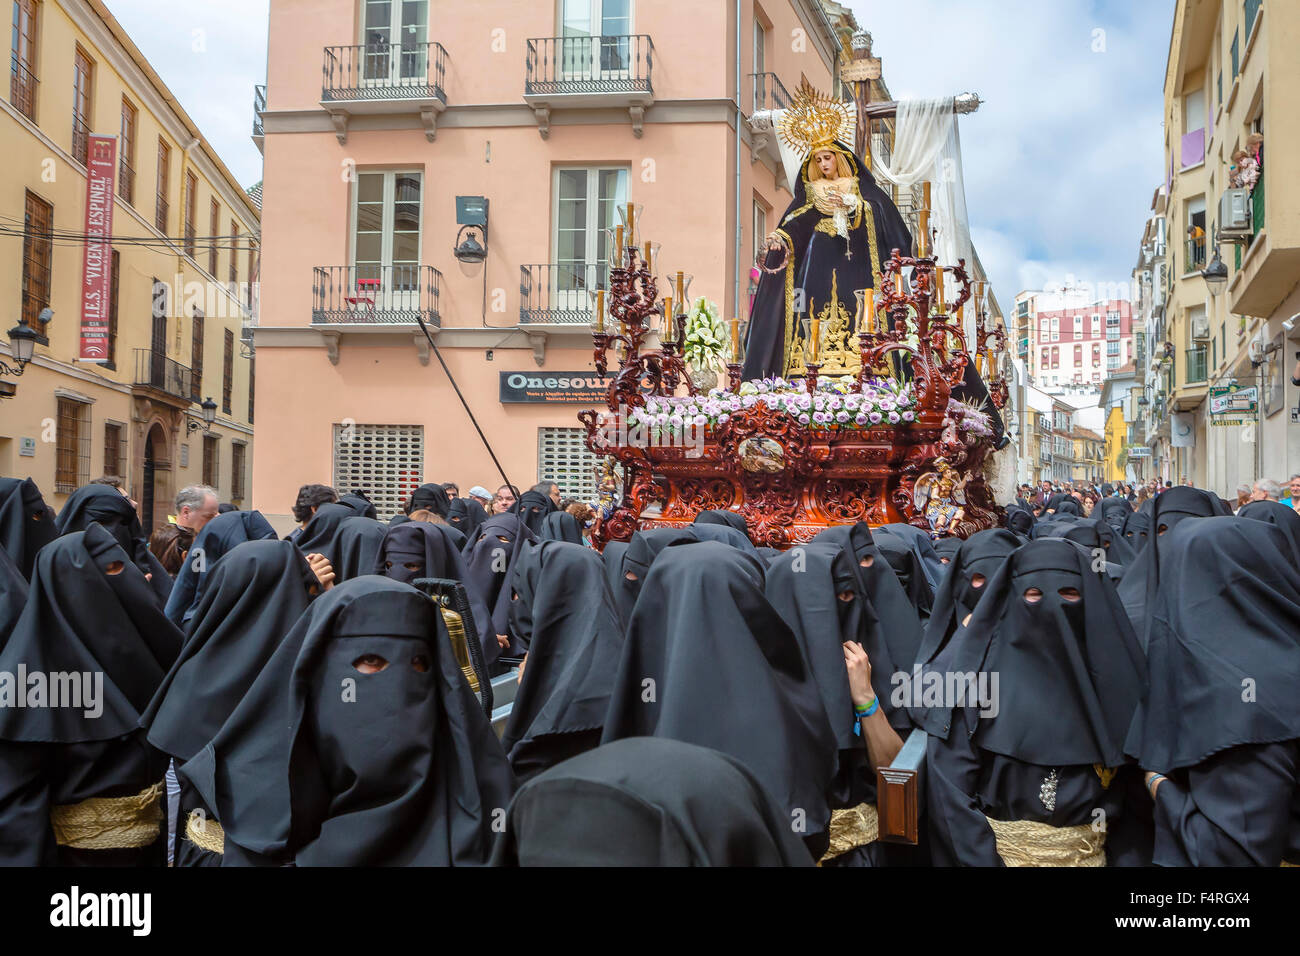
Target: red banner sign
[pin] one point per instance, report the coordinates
(97, 272)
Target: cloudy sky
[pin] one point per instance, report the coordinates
(1060, 161)
(210, 53)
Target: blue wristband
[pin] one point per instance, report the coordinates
(867, 711)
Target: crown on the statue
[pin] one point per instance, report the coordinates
(814, 121)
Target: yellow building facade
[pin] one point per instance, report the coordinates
(183, 266)
(1232, 74)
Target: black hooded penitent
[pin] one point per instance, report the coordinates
(326, 764)
(648, 802)
(27, 523)
(709, 661)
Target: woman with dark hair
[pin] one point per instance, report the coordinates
(648, 801)
(401, 770)
(310, 497)
(1218, 729)
(79, 784)
(169, 545)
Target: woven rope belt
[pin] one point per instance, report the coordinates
(110, 823)
(1030, 843)
(205, 832)
(852, 828)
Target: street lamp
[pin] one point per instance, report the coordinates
(22, 346)
(1216, 273)
(209, 416)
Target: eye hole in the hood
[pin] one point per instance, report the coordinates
(313, 589)
(387, 565)
(114, 567)
(631, 576)
(420, 664)
(977, 580)
(370, 663)
(413, 566)
(38, 516)
(1033, 595)
(866, 561)
(1162, 529)
(1071, 595)
(502, 537)
(514, 595)
(943, 559)
(846, 596)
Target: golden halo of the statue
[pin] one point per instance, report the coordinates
(814, 120)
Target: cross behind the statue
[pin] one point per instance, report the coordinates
(859, 68)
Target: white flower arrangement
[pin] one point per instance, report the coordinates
(886, 403)
(707, 339)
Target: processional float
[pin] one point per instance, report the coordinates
(864, 426)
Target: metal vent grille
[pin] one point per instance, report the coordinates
(384, 461)
(562, 457)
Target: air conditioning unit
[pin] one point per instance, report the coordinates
(1200, 327)
(1234, 213)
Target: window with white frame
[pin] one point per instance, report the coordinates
(586, 201)
(386, 231)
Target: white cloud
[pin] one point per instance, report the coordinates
(1062, 157)
(210, 53)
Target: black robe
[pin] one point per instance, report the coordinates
(1044, 745)
(420, 549)
(1274, 512)
(648, 801)
(26, 522)
(574, 644)
(725, 671)
(251, 601)
(1221, 715)
(219, 536)
(90, 612)
(106, 506)
(490, 557)
(815, 259)
(560, 526)
(356, 547)
(322, 764)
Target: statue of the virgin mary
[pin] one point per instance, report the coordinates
(833, 238)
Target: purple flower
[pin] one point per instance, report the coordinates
(723, 419)
(701, 420)
(875, 418)
(893, 418)
(860, 418)
(908, 416)
(842, 417)
(803, 419)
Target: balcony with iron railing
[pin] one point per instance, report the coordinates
(766, 95)
(384, 78)
(1195, 255)
(557, 293)
(155, 370)
(375, 295)
(23, 88)
(259, 107)
(589, 72)
(383, 71)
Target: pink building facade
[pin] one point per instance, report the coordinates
(1080, 345)
(380, 114)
